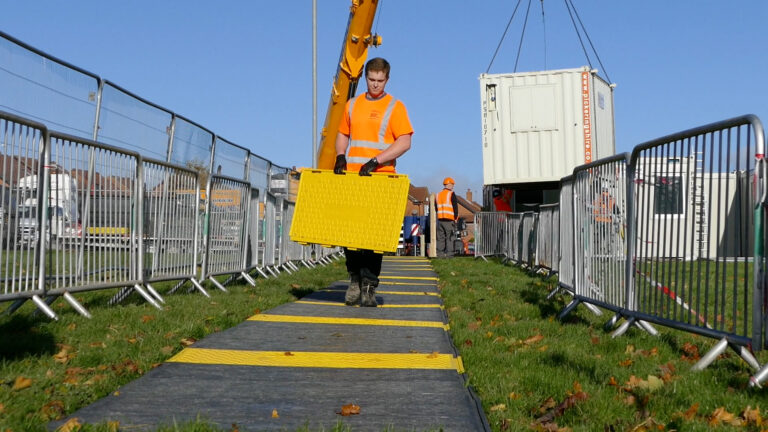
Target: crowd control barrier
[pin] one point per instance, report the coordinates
(696, 266)
(547, 238)
(566, 244)
(21, 170)
(489, 230)
(226, 203)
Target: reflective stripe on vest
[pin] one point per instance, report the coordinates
(370, 149)
(444, 205)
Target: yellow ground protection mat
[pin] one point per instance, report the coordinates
(411, 293)
(350, 210)
(404, 306)
(432, 278)
(346, 321)
(334, 360)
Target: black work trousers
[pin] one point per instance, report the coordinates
(364, 263)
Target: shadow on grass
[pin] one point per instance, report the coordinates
(20, 336)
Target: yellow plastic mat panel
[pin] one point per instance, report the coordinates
(349, 210)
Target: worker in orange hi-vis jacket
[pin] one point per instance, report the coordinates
(376, 129)
(447, 208)
(502, 201)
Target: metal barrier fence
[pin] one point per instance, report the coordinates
(693, 240)
(547, 238)
(22, 168)
(566, 244)
(513, 237)
(528, 239)
(106, 222)
(489, 231)
(226, 203)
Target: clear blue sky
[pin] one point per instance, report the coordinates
(243, 68)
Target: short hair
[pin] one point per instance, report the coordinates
(377, 64)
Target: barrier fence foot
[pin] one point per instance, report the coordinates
(147, 296)
(76, 305)
(271, 271)
(566, 310)
(623, 328)
(747, 355)
(644, 325)
(121, 295)
(759, 377)
(305, 264)
(711, 355)
(594, 309)
(261, 272)
(199, 287)
(248, 279)
(553, 293)
(293, 264)
(154, 293)
(177, 286)
(14, 306)
(217, 284)
(286, 268)
(611, 323)
(43, 306)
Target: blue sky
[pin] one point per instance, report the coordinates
(243, 68)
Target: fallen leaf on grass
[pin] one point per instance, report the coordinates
(751, 416)
(275, 414)
(188, 341)
(720, 415)
(595, 340)
(21, 383)
(468, 342)
(295, 286)
(474, 325)
(71, 425)
(98, 345)
(625, 363)
(499, 407)
(691, 352)
(2, 408)
(533, 339)
(690, 413)
(514, 395)
(558, 410)
(63, 356)
(348, 410)
(53, 410)
(71, 326)
(166, 350)
(147, 318)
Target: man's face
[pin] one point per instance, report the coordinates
(376, 81)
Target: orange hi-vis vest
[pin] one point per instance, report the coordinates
(603, 208)
(444, 205)
(368, 133)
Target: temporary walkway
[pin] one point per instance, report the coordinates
(299, 364)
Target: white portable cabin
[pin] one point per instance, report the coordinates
(538, 126)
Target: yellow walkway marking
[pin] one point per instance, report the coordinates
(407, 283)
(432, 278)
(346, 321)
(394, 292)
(333, 360)
(414, 306)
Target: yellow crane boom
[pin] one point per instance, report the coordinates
(354, 51)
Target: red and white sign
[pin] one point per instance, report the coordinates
(415, 229)
(586, 108)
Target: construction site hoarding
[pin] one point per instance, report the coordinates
(539, 126)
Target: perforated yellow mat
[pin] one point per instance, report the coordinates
(349, 210)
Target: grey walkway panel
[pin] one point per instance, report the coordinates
(305, 360)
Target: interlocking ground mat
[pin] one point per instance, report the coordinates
(312, 364)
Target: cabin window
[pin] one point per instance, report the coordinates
(669, 196)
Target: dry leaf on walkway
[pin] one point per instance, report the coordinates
(188, 341)
(71, 425)
(348, 410)
(275, 414)
(434, 354)
(21, 383)
(288, 353)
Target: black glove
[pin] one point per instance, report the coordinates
(369, 166)
(341, 164)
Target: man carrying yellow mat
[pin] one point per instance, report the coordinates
(377, 131)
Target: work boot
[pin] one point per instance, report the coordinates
(352, 297)
(368, 288)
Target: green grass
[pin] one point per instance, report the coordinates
(523, 363)
(75, 361)
(518, 356)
